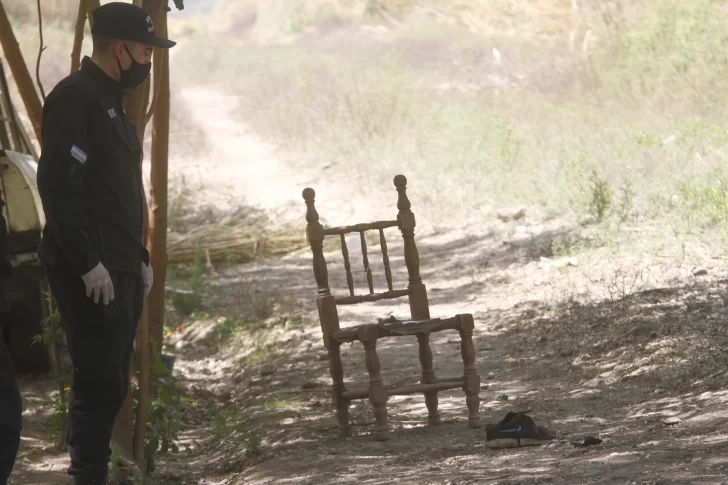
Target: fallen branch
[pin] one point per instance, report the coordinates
(224, 243)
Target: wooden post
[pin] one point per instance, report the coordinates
(158, 182)
(328, 316)
(419, 306)
(128, 433)
(25, 84)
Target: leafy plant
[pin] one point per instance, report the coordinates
(162, 433)
(252, 443)
(601, 196)
(50, 336)
(180, 4)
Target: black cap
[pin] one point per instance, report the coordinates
(127, 22)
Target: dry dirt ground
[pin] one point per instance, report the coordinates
(599, 338)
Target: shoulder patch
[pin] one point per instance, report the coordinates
(78, 154)
(112, 113)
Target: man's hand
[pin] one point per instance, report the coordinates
(99, 283)
(148, 277)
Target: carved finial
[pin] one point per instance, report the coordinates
(403, 203)
(309, 195)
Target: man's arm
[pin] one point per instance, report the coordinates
(6, 267)
(61, 175)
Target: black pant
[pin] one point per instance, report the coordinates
(10, 415)
(100, 341)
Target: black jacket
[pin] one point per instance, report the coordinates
(5, 266)
(89, 176)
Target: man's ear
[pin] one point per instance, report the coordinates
(118, 49)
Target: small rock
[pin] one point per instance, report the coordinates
(700, 272)
(588, 441)
(513, 214)
(267, 370)
(672, 421)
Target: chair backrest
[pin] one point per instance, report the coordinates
(405, 221)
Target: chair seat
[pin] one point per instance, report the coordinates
(398, 328)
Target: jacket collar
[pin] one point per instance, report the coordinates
(104, 83)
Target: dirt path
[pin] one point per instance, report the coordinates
(611, 369)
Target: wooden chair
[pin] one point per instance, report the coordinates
(421, 325)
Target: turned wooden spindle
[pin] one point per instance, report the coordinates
(385, 258)
(407, 225)
(347, 265)
(367, 269)
(328, 315)
(315, 236)
(378, 395)
(471, 385)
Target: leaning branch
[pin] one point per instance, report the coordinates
(20, 72)
(40, 53)
(78, 36)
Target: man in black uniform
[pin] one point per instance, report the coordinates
(10, 404)
(90, 183)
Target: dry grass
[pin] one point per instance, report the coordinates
(495, 117)
(560, 21)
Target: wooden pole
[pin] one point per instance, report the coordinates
(129, 434)
(158, 188)
(25, 84)
(137, 115)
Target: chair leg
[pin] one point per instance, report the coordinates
(428, 376)
(341, 404)
(471, 384)
(378, 395)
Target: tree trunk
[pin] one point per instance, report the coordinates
(84, 11)
(20, 72)
(130, 435)
(158, 189)
(137, 114)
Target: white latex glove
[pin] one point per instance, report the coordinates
(99, 283)
(148, 277)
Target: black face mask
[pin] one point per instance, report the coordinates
(136, 74)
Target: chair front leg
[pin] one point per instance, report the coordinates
(336, 368)
(471, 384)
(428, 376)
(378, 395)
